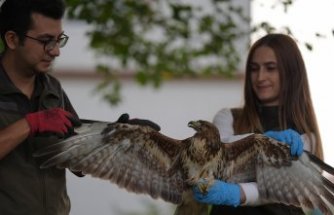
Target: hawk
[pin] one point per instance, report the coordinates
(143, 160)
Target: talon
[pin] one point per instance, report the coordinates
(203, 185)
(203, 188)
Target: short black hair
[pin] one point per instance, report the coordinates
(15, 15)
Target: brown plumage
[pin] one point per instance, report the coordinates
(143, 160)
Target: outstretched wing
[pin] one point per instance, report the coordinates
(280, 177)
(137, 158)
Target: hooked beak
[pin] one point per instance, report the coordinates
(193, 124)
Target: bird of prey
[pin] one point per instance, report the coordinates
(143, 160)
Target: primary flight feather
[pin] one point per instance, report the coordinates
(142, 160)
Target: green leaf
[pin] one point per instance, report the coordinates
(309, 46)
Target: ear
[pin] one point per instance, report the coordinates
(12, 40)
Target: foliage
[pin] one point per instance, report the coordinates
(162, 39)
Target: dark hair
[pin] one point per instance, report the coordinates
(15, 15)
(295, 99)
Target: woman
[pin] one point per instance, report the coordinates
(278, 104)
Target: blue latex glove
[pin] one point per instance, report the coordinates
(290, 137)
(315, 212)
(219, 193)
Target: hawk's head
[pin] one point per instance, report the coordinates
(208, 132)
(205, 128)
(200, 125)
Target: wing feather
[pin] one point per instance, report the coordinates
(143, 160)
(134, 157)
(280, 177)
(238, 161)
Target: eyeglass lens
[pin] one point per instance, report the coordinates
(52, 43)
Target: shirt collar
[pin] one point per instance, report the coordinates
(42, 84)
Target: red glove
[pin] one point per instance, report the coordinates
(55, 120)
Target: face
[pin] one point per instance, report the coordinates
(32, 54)
(265, 76)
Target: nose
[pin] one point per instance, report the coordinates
(261, 74)
(55, 52)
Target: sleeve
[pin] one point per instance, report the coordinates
(251, 192)
(67, 104)
(309, 141)
(224, 122)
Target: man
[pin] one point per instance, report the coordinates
(34, 109)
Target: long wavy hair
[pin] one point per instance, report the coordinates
(294, 97)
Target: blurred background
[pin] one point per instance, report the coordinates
(171, 100)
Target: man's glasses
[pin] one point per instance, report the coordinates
(50, 44)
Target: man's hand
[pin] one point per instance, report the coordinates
(290, 137)
(55, 120)
(125, 118)
(219, 193)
